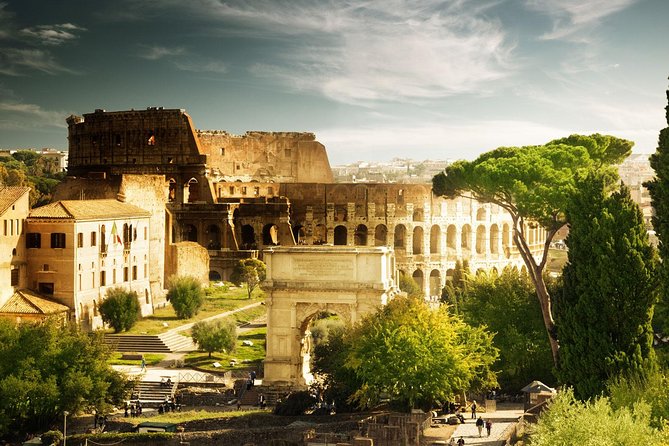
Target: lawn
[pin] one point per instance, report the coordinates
(150, 358)
(217, 300)
(193, 415)
(246, 356)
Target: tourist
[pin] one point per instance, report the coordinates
(143, 365)
(479, 425)
(461, 442)
(474, 409)
(488, 426)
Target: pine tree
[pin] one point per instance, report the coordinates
(605, 310)
(659, 194)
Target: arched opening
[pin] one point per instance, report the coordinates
(193, 190)
(380, 235)
(248, 237)
(494, 239)
(418, 215)
(466, 237)
(214, 235)
(189, 233)
(316, 330)
(449, 275)
(506, 240)
(299, 234)
(360, 238)
(418, 277)
(481, 214)
(340, 235)
(270, 234)
(214, 276)
(172, 191)
(451, 237)
(435, 239)
(320, 235)
(480, 239)
(400, 237)
(418, 240)
(435, 283)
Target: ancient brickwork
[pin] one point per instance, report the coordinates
(188, 259)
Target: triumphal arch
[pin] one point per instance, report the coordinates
(305, 281)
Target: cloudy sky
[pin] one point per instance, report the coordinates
(373, 79)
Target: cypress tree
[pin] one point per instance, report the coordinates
(659, 194)
(605, 310)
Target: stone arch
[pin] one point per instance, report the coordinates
(494, 239)
(451, 237)
(214, 235)
(435, 282)
(480, 239)
(193, 189)
(248, 237)
(418, 214)
(189, 233)
(299, 234)
(380, 235)
(172, 190)
(481, 214)
(449, 274)
(418, 240)
(320, 236)
(435, 239)
(270, 235)
(214, 276)
(506, 240)
(360, 236)
(400, 237)
(418, 277)
(340, 235)
(466, 238)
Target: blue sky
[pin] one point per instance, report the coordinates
(373, 79)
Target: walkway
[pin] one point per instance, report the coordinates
(185, 327)
(503, 418)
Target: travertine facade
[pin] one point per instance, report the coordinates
(14, 208)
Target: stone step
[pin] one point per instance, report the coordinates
(164, 343)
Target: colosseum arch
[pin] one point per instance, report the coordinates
(320, 236)
(248, 237)
(506, 240)
(418, 240)
(435, 239)
(418, 277)
(340, 235)
(451, 237)
(481, 214)
(494, 239)
(380, 235)
(172, 190)
(400, 237)
(213, 233)
(299, 234)
(360, 238)
(270, 234)
(466, 240)
(189, 233)
(435, 283)
(480, 239)
(193, 190)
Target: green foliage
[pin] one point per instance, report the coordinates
(219, 335)
(28, 168)
(659, 193)
(609, 289)
(52, 437)
(595, 423)
(322, 327)
(295, 404)
(126, 437)
(651, 388)
(454, 292)
(186, 295)
(507, 305)
(409, 286)
(249, 271)
(47, 369)
(417, 355)
(120, 309)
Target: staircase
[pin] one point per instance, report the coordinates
(169, 342)
(152, 394)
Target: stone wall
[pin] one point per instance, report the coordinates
(187, 259)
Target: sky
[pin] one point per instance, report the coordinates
(374, 80)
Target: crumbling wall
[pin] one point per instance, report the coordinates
(187, 259)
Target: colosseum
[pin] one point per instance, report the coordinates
(236, 195)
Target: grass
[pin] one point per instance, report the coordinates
(150, 358)
(246, 356)
(217, 300)
(194, 415)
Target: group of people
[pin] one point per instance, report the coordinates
(170, 404)
(133, 409)
(166, 382)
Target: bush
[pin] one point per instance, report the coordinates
(120, 309)
(118, 437)
(186, 295)
(296, 404)
(52, 438)
(215, 336)
(249, 271)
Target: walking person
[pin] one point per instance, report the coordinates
(479, 426)
(474, 410)
(488, 426)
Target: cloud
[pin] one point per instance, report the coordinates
(573, 16)
(52, 34)
(150, 52)
(201, 66)
(14, 61)
(17, 115)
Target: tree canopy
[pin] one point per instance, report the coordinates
(49, 368)
(417, 355)
(186, 296)
(28, 168)
(120, 309)
(605, 309)
(249, 271)
(215, 336)
(534, 185)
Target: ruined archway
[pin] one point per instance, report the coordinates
(400, 237)
(418, 240)
(270, 234)
(214, 237)
(340, 235)
(435, 239)
(189, 233)
(248, 237)
(360, 238)
(380, 235)
(435, 283)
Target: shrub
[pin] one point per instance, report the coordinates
(52, 438)
(296, 404)
(249, 271)
(215, 336)
(120, 309)
(186, 295)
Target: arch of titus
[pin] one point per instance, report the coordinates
(304, 281)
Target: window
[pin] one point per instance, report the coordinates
(45, 267)
(134, 272)
(94, 238)
(80, 240)
(58, 240)
(15, 276)
(45, 288)
(232, 190)
(103, 278)
(33, 240)
(243, 190)
(270, 190)
(80, 283)
(146, 232)
(114, 276)
(125, 273)
(5, 222)
(256, 191)
(223, 151)
(11, 227)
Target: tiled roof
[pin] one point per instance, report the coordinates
(87, 210)
(26, 302)
(9, 195)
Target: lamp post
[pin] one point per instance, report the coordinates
(65, 414)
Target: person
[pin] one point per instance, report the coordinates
(261, 401)
(143, 364)
(168, 383)
(461, 442)
(459, 416)
(479, 425)
(474, 409)
(452, 442)
(126, 409)
(488, 426)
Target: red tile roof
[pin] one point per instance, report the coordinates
(10, 195)
(88, 210)
(27, 302)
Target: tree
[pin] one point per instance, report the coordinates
(534, 184)
(568, 421)
(507, 305)
(659, 194)
(249, 271)
(418, 355)
(650, 388)
(216, 336)
(410, 286)
(609, 289)
(186, 295)
(49, 368)
(453, 293)
(120, 309)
